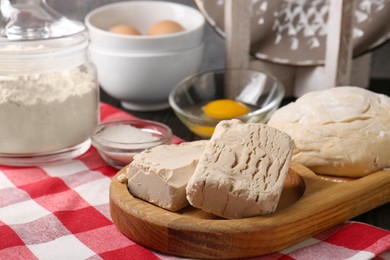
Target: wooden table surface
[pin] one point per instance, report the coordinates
(379, 217)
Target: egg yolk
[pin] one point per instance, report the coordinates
(225, 109)
(203, 131)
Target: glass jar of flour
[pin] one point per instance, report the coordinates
(48, 87)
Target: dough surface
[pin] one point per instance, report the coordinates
(343, 131)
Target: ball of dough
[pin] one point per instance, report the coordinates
(343, 131)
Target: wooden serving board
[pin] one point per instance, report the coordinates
(309, 205)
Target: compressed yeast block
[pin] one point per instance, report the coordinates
(160, 175)
(242, 170)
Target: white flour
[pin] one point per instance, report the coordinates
(46, 112)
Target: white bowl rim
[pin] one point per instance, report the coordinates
(266, 108)
(143, 37)
(145, 54)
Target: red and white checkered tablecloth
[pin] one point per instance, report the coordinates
(61, 211)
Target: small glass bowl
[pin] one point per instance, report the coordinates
(260, 92)
(118, 145)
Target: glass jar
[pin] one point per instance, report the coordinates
(49, 99)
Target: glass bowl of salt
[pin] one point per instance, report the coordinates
(118, 141)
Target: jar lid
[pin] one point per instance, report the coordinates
(22, 20)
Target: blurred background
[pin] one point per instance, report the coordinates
(214, 52)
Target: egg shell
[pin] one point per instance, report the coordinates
(124, 29)
(165, 27)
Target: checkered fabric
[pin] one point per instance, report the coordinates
(61, 211)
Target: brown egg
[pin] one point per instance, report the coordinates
(165, 27)
(124, 29)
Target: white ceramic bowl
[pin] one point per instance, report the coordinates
(143, 81)
(140, 71)
(142, 15)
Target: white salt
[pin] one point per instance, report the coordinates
(126, 134)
